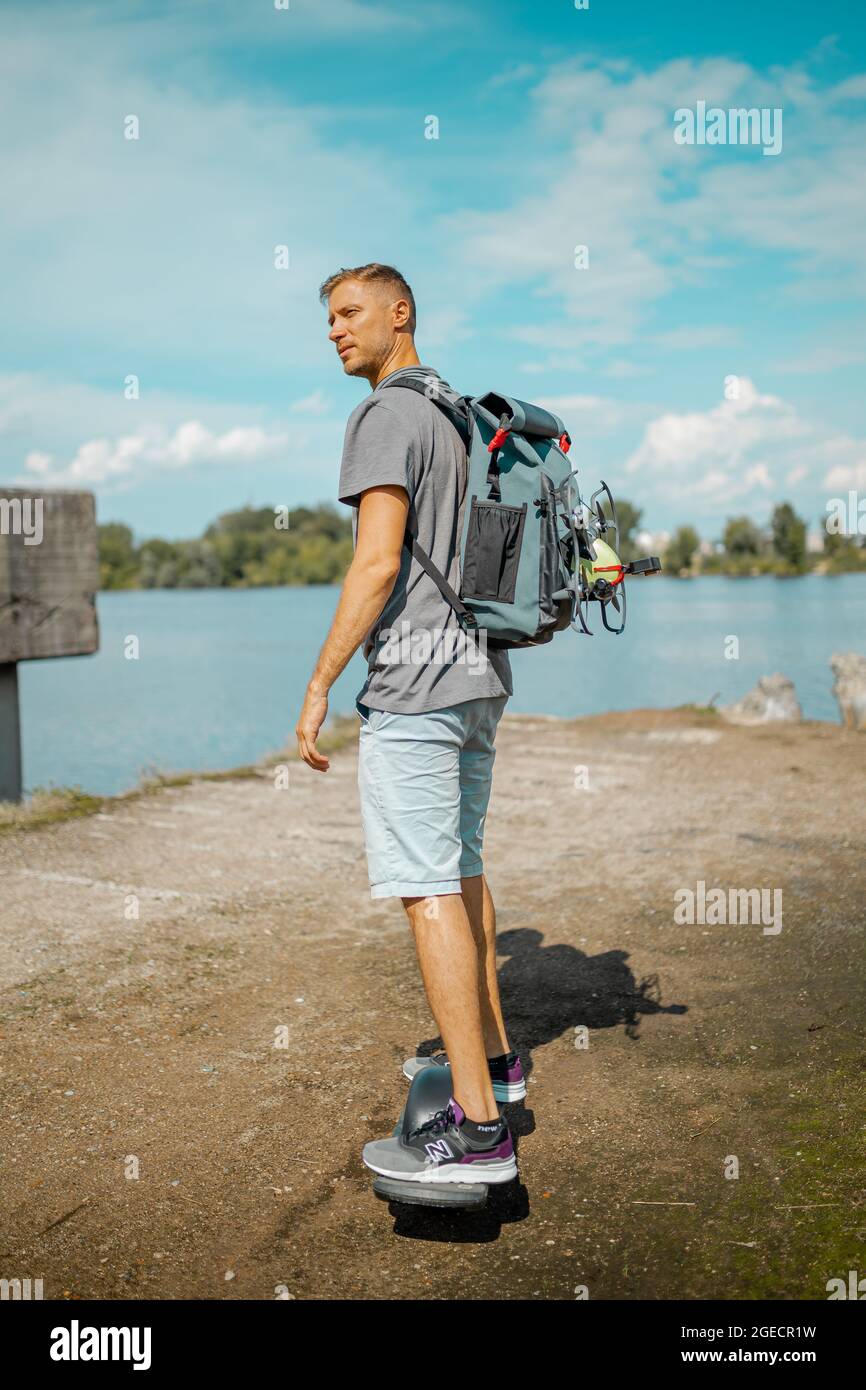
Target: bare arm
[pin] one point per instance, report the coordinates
(366, 589)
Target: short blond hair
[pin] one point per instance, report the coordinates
(373, 273)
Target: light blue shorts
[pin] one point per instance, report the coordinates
(425, 785)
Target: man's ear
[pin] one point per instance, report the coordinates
(402, 313)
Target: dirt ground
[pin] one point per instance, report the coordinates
(705, 1142)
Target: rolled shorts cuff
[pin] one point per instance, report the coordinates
(394, 889)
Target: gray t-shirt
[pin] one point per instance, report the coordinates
(419, 659)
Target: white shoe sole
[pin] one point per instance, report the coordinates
(501, 1171)
(505, 1091)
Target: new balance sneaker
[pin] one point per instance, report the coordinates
(440, 1150)
(506, 1073)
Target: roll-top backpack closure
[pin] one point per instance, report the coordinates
(526, 419)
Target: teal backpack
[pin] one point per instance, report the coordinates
(531, 551)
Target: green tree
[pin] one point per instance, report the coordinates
(166, 574)
(681, 550)
(253, 548)
(842, 552)
(151, 555)
(742, 537)
(118, 564)
(198, 566)
(629, 517)
(244, 520)
(323, 520)
(234, 551)
(789, 538)
(834, 542)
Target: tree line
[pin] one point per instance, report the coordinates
(780, 548)
(242, 549)
(313, 545)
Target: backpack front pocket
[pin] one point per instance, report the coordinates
(492, 552)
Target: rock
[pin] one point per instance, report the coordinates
(773, 699)
(849, 668)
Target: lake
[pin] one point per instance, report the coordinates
(222, 672)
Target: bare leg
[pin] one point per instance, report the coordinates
(482, 918)
(450, 968)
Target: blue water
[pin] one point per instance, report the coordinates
(222, 672)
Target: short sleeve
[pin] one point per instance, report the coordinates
(380, 447)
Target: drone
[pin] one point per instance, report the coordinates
(597, 573)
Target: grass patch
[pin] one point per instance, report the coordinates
(51, 805)
(809, 1226)
(47, 806)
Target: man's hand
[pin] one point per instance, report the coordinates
(310, 721)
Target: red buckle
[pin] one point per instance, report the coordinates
(498, 440)
(565, 442)
(607, 569)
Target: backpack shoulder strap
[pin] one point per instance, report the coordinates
(465, 617)
(458, 412)
(460, 416)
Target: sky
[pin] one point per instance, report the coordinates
(706, 350)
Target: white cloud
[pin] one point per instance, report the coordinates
(622, 369)
(594, 416)
(157, 28)
(691, 336)
(42, 421)
(850, 475)
(758, 476)
(442, 326)
(154, 257)
(743, 449)
(851, 89)
(100, 461)
(316, 403)
(652, 212)
(520, 73)
(160, 251)
(828, 357)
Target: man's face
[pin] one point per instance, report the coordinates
(363, 323)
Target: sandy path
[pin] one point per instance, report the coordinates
(151, 1041)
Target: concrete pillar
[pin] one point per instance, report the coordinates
(10, 733)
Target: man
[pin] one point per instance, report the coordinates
(429, 710)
